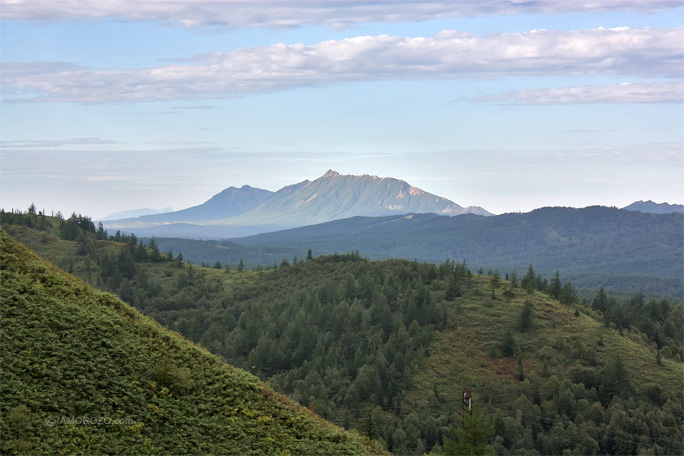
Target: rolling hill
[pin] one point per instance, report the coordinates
(82, 372)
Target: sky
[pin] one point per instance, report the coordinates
(507, 105)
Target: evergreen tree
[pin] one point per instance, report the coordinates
(140, 253)
(525, 319)
(567, 294)
(615, 379)
(101, 234)
(154, 255)
(555, 286)
(508, 344)
(528, 282)
(514, 279)
(473, 437)
(600, 301)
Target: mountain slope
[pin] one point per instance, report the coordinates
(135, 213)
(655, 208)
(334, 196)
(228, 203)
(85, 373)
(591, 246)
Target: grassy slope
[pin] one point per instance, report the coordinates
(468, 355)
(69, 352)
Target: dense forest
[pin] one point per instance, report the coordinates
(385, 347)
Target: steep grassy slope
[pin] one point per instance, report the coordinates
(83, 372)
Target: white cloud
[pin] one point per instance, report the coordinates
(648, 92)
(293, 13)
(447, 55)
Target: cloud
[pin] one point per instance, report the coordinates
(53, 143)
(294, 13)
(201, 108)
(447, 55)
(649, 92)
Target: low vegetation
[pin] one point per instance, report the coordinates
(84, 373)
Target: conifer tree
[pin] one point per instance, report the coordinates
(555, 286)
(473, 437)
(529, 280)
(525, 320)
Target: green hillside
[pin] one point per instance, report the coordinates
(386, 347)
(84, 373)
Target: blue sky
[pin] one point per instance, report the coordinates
(109, 106)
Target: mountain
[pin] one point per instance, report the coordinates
(240, 212)
(85, 373)
(136, 213)
(228, 203)
(334, 196)
(655, 208)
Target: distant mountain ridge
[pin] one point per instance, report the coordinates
(583, 243)
(136, 213)
(228, 203)
(651, 207)
(334, 196)
(247, 210)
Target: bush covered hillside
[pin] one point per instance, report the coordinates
(82, 372)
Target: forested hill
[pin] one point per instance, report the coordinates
(84, 373)
(595, 246)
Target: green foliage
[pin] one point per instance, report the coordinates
(473, 438)
(525, 321)
(508, 344)
(85, 373)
